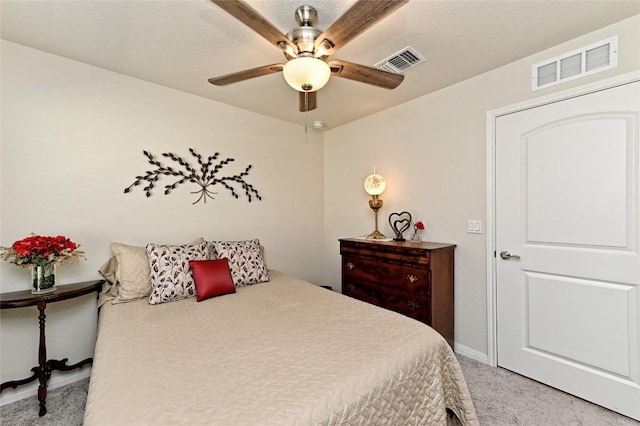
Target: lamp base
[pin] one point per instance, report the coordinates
(376, 235)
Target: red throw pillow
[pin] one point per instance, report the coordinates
(212, 278)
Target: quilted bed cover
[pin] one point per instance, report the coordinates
(285, 352)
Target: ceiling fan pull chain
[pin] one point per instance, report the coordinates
(306, 127)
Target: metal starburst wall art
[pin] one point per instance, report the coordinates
(206, 177)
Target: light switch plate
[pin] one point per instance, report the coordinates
(474, 226)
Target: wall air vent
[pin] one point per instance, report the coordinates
(589, 60)
(401, 61)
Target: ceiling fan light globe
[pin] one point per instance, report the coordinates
(306, 74)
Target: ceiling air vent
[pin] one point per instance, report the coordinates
(589, 60)
(401, 61)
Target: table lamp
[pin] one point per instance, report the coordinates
(374, 185)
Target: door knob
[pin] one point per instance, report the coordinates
(506, 255)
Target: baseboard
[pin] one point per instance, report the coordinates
(58, 379)
(470, 353)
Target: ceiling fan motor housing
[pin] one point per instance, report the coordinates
(304, 38)
(305, 35)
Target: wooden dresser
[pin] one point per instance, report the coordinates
(414, 279)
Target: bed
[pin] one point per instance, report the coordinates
(282, 352)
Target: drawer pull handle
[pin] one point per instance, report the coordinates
(351, 287)
(412, 305)
(351, 265)
(412, 278)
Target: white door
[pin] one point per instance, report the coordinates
(567, 195)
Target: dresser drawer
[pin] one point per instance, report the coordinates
(405, 278)
(411, 305)
(366, 293)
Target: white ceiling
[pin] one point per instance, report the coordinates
(180, 44)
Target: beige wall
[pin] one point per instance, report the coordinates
(72, 140)
(432, 152)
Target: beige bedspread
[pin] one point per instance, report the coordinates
(279, 353)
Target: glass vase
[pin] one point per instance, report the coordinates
(43, 278)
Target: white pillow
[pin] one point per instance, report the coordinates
(132, 272)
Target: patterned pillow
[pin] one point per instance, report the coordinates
(171, 277)
(245, 261)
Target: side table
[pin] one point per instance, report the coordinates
(42, 372)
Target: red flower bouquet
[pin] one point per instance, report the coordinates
(41, 251)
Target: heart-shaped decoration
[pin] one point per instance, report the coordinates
(400, 222)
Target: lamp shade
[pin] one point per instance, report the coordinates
(306, 74)
(374, 184)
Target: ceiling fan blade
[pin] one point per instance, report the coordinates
(254, 20)
(234, 77)
(307, 101)
(365, 74)
(361, 16)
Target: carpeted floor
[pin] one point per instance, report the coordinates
(501, 398)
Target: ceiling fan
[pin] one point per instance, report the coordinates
(307, 48)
